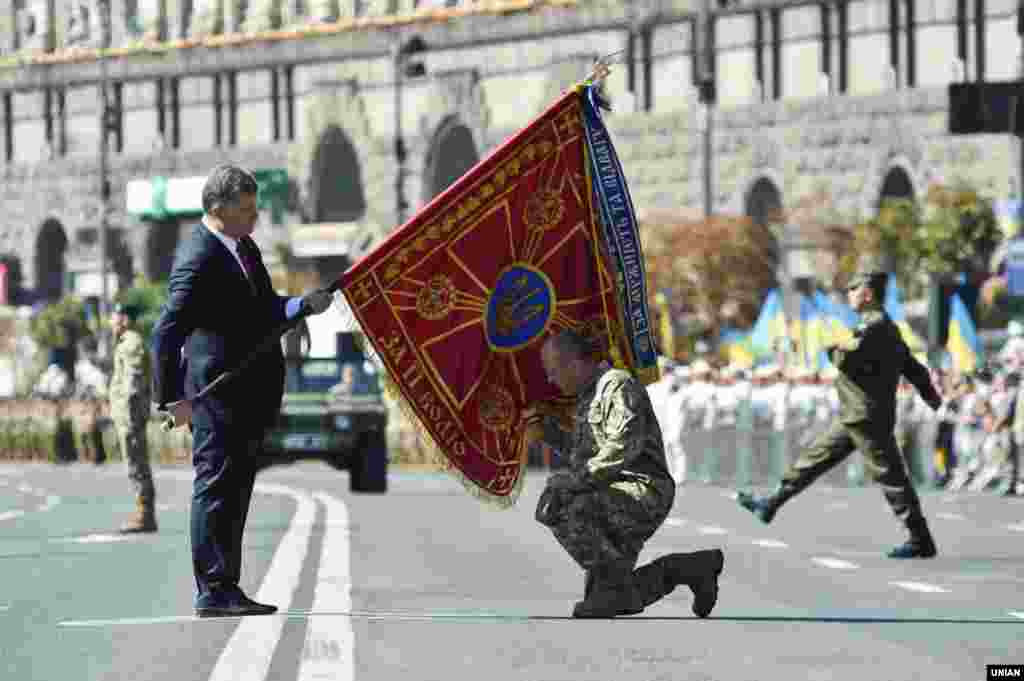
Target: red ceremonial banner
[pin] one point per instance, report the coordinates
(459, 300)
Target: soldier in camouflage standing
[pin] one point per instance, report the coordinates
(617, 491)
(129, 409)
(870, 366)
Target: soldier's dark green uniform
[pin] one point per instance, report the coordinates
(870, 366)
(615, 494)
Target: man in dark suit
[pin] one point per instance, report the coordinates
(870, 366)
(220, 306)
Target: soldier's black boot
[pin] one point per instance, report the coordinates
(699, 571)
(765, 507)
(612, 593)
(920, 545)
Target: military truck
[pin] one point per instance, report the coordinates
(333, 410)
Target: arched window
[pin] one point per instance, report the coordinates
(452, 153)
(337, 183)
(763, 205)
(51, 245)
(897, 185)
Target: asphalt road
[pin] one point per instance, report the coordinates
(426, 584)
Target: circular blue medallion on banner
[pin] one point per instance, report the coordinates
(520, 307)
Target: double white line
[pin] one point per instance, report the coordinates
(328, 652)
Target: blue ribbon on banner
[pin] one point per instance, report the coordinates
(621, 231)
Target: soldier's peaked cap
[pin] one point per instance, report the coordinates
(132, 312)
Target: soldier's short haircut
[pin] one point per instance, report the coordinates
(573, 344)
(225, 186)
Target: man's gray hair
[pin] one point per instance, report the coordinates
(225, 186)
(572, 343)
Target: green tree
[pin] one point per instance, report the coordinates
(60, 325)
(954, 230)
(149, 297)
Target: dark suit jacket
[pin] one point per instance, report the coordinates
(870, 367)
(218, 318)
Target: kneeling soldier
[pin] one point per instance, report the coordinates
(617, 490)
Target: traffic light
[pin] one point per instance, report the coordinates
(986, 107)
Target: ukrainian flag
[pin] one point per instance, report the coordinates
(816, 329)
(770, 325)
(894, 308)
(839, 319)
(736, 347)
(962, 343)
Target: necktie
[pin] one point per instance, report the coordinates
(247, 252)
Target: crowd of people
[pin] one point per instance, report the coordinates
(726, 423)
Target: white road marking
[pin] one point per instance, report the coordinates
(1017, 527)
(712, 529)
(25, 488)
(250, 649)
(51, 501)
(837, 506)
(950, 516)
(329, 649)
(4, 608)
(771, 543)
(96, 539)
(11, 515)
(835, 563)
(920, 587)
(1018, 614)
(171, 619)
(675, 522)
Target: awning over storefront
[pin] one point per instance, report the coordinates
(165, 198)
(332, 238)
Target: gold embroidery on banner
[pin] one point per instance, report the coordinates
(363, 290)
(497, 409)
(544, 210)
(535, 150)
(503, 481)
(436, 299)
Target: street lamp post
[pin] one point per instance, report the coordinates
(106, 114)
(705, 56)
(404, 69)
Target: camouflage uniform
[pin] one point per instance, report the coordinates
(129, 396)
(616, 492)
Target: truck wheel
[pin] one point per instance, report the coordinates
(369, 472)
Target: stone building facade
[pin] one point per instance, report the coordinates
(845, 96)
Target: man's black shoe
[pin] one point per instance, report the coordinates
(914, 549)
(232, 604)
(763, 508)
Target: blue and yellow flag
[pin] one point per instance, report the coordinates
(894, 308)
(839, 319)
(737, 347)
(770, 325)
(962, 343)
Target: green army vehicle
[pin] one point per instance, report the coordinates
(333, 410)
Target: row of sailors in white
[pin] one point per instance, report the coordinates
(696, 398)
(982, 434)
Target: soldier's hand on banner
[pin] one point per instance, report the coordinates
(317, 301)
